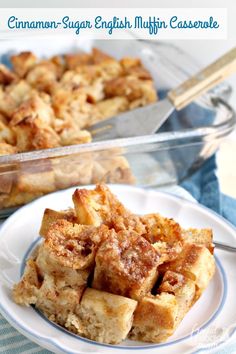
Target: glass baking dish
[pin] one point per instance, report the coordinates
(187, 139)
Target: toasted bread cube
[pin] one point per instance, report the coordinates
(23, 62)
(6, 182)
(100, 206)
(26, 291)
(72, 105)
(104, 317)
(6, 134)
(155, 318)
(111, 107)
(50, 216)
(126, 264)
(94, 93)
(92, 207)
(184, 290)
(73, 245)
(74, 60)
(16, 197)
(72, 79)
(112, 170)
(167, 252)
(159, 228)
(34, 108)
(99, 56)
(7, 149)
(196, 263)
(57, 302)
(64, 275)
(134, 67)
(129, 62)
(202, 237)
(6, 75)
(34, 134)
(132, 88)
(43, 76)
(164, 234)
(72, 171)
(73, 136)
(42, 182)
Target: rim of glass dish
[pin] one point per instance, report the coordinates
(207, 132)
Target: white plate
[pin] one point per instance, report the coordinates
(209, 323)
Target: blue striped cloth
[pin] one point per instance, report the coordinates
(12, 342)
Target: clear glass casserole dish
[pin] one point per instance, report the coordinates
(187, 139)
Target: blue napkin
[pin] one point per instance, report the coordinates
(203, 185)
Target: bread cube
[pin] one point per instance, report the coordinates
(132, 88)
(50, 216)
(6, 134)
(164, 234)
(71, 171)
(41, 182)
(16, 197)
(112, 106)
(55, 301)
(64, 275)
(74, 60)
(100, 206)
(159, 228)
(93, 207)
(26, 291)
(167, 252)
(7, 149)
(155, 318)
(196, 263)
(203, 237)
(126, 264)
(23, 62)
(104, 317)
(184, 290)
(112, 169)
(73, 245)
(6, 75)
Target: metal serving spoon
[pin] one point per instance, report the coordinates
(223, 246)
(147, 120)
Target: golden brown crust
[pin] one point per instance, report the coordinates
(132, 88)
(6, 75)
(7, 149)
(184, 290)
(26, 291)
(159, 228)
(95, 207)
(57, 303)
(23, 62)
(50, 216)
(126, 264)
(165, 235)
(74, 245)
(202, 237)
(196, 263)
(155, 318)
(104, 317)
(78, 59)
